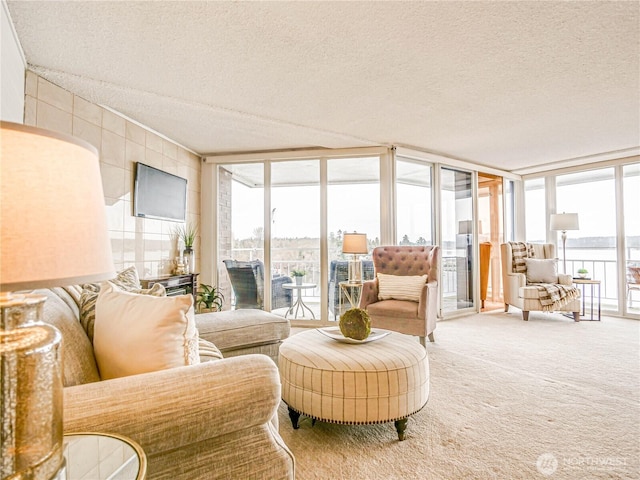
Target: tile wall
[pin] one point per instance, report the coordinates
(148, 244)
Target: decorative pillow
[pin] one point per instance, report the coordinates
(88, 303)
(400, 287)
(208, 351)
(127, 279)
(139, 333)
(541, 270)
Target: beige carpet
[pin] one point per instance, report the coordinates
(506, 396)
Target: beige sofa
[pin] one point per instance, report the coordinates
(216, 419)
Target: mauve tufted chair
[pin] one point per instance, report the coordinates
(412, 318)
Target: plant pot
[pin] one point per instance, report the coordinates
(298, 280)
(189, 260)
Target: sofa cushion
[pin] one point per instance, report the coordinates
(140, 333)
(242, 329)
(400, 287)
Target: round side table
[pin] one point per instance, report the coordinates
(102, 456)
(298, 304)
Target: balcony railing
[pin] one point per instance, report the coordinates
(603, 270)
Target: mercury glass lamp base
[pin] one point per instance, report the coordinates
(31, 391)
(355, 271)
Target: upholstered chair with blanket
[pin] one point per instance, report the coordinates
(532, 283)
(404, 296)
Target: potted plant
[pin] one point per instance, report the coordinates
(208, 299)
(583, 272)
(297, 276)
(187, 234)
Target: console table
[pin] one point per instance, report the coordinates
(175, 284)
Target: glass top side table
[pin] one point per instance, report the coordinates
(102, 456)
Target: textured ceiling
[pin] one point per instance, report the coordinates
(503, 84)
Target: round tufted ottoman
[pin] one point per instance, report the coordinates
(386, 380)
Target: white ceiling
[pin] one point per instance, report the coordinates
(504, 84)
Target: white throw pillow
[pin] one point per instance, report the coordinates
(139, 333)
(542, 270)
(399, 287)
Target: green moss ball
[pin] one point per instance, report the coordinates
(355, 323)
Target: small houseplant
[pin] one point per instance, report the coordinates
(297, 275)
(583, 272)
(208, 299)
(187, 233)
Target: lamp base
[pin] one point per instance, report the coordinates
(31, 391)
(355, 270)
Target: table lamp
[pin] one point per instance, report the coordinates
(355, 244)
(563, 222)
(53, 233)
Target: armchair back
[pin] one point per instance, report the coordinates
(407, 260)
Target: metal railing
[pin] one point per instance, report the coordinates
(603, 270)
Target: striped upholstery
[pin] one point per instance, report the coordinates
(375, 382)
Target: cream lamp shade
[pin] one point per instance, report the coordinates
(52, 214)
(564, 222)
(355, 243)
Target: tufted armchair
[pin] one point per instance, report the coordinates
(405, 316)
(526, 297)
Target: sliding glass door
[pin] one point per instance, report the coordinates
(457, 222)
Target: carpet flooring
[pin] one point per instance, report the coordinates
(547, 398)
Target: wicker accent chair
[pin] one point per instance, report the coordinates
(247, 280)
(339, 272)
(404, 316)
(523, 296)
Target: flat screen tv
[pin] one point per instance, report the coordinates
(158, 194)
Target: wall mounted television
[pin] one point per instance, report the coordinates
(159, 194)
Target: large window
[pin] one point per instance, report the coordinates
(631, 178)
(295, 232)
(414, 203)
(457, 239)
(592, 196)
(534, 203)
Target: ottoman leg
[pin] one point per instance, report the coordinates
(294, 416)
(401, 426)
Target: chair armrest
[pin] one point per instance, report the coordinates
(565, 279)
(428, 303)
(516, 280)
(369, 293)
(172, 408)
